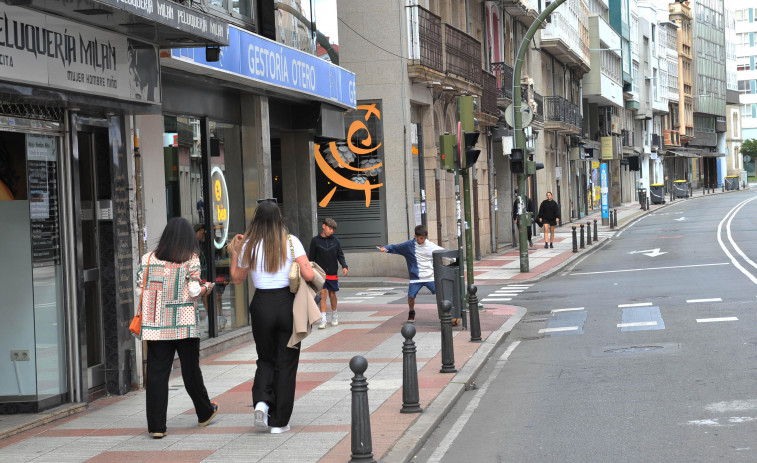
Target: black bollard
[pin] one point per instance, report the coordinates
(588, 233)
(448, 351)
(410, 394)
(647, 203)
(575, 240)
(362, 445)
(615, 215)
(475, 322)
(612, 222)
(595, 231)
(582, 237)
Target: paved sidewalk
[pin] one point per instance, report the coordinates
(114, 428)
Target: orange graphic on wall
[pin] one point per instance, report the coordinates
(337, 178)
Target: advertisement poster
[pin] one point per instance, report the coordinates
(603, 188)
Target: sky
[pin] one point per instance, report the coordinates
(325, 17)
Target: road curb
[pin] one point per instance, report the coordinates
(418, 433)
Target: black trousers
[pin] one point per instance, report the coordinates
(160, 355)
(276, 374)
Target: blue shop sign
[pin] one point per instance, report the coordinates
(276, 64)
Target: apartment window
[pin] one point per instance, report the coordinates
(748, 110)
(744, 86)
(654, 40)
(635, 78)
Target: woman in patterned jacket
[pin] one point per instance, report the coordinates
(169, 322)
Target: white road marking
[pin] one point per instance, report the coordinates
(732, 214)
(458, 426)
(521, 287)
(649, 268)
(496, 299)
(714, 299)
(574, 309)
(720, 319)
(558, 329)
(631, 325)
(640, 304)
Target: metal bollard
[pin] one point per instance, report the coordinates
(588, 233)
(575, 240)
(582, 237)
(448, 351)
(612, 222)
(475, 321)
(616, 217)
(595, 231)
(410, 394)
(647, 203)
(362, 445)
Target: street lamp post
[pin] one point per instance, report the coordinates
(519, 138)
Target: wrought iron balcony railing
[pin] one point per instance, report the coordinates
(463, 55)
(426, 38)
(489, 94)
(558, 109)
(504, 74)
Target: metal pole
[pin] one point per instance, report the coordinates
(588, 233)
(410, 394)
(467, 180)
(575, 240)
(518, 135)
(460, 254)
(362, 444)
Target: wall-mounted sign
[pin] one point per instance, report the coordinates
(46, 50)
(274, 64)
(608, 152)
(220, 196)
(604, 190)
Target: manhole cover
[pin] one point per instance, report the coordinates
(632, 350)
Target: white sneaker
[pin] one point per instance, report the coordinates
(334, 318)
(281, 430)
(261, 416)
(322, 323)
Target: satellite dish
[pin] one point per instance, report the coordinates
(527, 115)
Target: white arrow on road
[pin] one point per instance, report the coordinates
(679, 219)
(650, 252)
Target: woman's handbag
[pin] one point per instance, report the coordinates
(136, 323)
(294, 270)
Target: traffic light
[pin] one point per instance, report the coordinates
(517, 163)
(471, 153)
(447, 149)
(532, 167)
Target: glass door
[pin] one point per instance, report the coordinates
(91, 148)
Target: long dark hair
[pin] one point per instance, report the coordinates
(268, 227)
(178, 242)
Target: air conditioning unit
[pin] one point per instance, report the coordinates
(615, 125)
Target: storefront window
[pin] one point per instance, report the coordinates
(32, 281)
(216, 224)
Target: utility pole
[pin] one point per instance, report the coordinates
(519, 138)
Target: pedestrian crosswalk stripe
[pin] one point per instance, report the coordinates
(640, 304)
(574, 309)
(516, 286)
(495, 299)
(630, 325)
(558, 329)
(506, 293)
(714, 299)
(719, 319)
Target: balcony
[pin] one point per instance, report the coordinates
(522, 10)
(720, 124)
(671, 138)
(562, 40)
(167, 24)
(440, 53)
(489, 113)
(562, 116)
(626, 139)
(504, 75)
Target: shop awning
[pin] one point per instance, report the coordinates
(684, 152)
(712, 155)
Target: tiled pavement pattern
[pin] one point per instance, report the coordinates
(114, 429)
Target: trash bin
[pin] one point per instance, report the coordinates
(680, 189)
(657, 193)
(731, 182)
(447, 281)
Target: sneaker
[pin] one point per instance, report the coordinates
(158, 435)
(283, 429)
(207, 422)
(546, 245)
(261, 416)
(411, 316)
(334, 318)
(551, 245)
(322, 323)
(455, 321)
(530, 244)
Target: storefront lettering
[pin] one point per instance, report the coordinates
(334, 176)
(41, 41)
(220, 207)
(165, 10)
(188, 19)
(266, 63)
(6, 60)
(144, 5)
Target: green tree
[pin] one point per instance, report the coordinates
(749, 147)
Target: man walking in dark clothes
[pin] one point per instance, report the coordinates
(516, 209)
(326, 251)
(549, 217)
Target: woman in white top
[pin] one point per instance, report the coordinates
(264, 252)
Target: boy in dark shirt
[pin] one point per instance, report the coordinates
(326, 251)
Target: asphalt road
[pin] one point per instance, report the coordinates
(642, 351)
